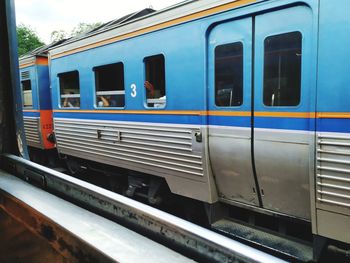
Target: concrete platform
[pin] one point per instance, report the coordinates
(39, 227)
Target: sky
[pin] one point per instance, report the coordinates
(45, 16)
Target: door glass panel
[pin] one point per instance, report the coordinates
(282, 69)
(229, 75)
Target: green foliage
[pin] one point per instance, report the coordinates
(58, 35)
(81, 28)
(28, 40)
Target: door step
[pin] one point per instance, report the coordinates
(285, 246)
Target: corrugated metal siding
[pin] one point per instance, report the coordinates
(25, 75)
(333, 170)
(150, 146)
(32, 131)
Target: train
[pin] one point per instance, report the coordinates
(36, 102)
(239, 106)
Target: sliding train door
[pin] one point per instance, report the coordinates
(261, 106)
(229, 93)
(284, 103)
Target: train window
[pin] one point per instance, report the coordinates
(69, 89)
(27, 93)
(229, 75)
(282, 69)
(155, 81)
(109, 83)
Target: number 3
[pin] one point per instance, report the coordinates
(133, 90)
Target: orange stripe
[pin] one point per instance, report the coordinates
(26, 65)
(43, 61)
(333, 115)
(163, 25)
(39, 61)
(136, 112)
(229, 113)
(24, 110)
(310, 115)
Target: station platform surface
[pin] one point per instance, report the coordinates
(36, 226)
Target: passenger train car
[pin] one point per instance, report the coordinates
(242, 105)
(37, 108)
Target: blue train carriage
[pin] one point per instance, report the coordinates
(37, 109)
(242, 105)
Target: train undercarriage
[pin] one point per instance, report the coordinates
(274, 233)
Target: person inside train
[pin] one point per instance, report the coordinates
(150, 89)
(71, 102)
(107, 101)
(151, 94)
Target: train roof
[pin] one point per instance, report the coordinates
(132, 25)
(41, 51)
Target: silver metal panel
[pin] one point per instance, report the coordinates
(283, 158)
(111, 240)
(156, 18)
(158, 149)
(333, 171)
(230, 156)
(333, 225)
(230, 147)
(282, 163)
(32, 131)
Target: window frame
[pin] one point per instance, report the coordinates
(214, 72)
(31, 88)
(301, 72)
(145, 100)
(60, 97)
(116, 91)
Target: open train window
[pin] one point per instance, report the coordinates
(282, 69)
(109, 83)
(229, 75)
(69, 89)
(27, 93)
(155, 81)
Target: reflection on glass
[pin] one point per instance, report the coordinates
(229, 75)
(282, 69)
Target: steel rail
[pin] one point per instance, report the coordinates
(203, 243)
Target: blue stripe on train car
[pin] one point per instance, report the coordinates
(300, 124)
(31, 114)
(333, 125)
(44, 87)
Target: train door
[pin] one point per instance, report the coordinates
(261, 130)
(283, 109)
(229, 101)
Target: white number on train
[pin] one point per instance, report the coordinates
(133, 90)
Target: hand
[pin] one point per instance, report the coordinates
(149, 87)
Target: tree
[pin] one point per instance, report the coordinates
(81, 28)
(28, 40)
(58, 35)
